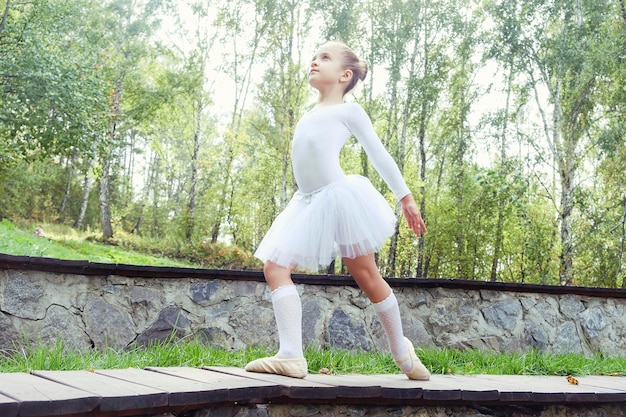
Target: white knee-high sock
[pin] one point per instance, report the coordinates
(288, 314)
(389, 315)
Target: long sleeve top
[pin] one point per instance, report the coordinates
(318, 138)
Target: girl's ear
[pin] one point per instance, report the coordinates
(346, 76)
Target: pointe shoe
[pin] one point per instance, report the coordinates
(418, 370)
(295, 368)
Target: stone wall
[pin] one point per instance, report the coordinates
(116, 311)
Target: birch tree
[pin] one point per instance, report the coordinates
(560, 61)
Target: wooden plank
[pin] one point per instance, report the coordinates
(41, 397)
(509, 391)
(399, 387)
(472, 388)
(8, 406)
(441, 388)
(541, 390)
(181, 391)
(350, 386)
(116, 395)
(556, 389)
(617, 383)
(237, 388)
(292, 387)
(606, 389)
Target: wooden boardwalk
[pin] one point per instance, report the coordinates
(156, 390)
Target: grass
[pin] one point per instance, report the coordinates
(196, 354)
(62, 242)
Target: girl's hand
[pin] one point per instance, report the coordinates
(412, 215)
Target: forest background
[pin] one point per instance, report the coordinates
(172, 121)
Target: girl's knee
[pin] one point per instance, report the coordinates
(276, 275)
(269, 267)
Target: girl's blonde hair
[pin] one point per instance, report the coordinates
(352, 62)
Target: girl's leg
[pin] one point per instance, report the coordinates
(288, 313)
(287, 310)
(367, 276)
(276, 276)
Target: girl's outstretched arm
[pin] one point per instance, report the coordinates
(412, 215)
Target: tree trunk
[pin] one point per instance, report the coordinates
(87, 184)
(191, 207)
(622, 243)
(146, 192)
(103, 199)
(566, 275)
(391, 130)
(459, 202)
(461, 149)
(497, 244)
(223, 195)
(66, 195)
(421, 271)
(429, 253)
(105, 181)
(156, 226)
(565, 164)
(393, 248)
(422, 262)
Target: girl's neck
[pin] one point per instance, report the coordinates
(328, 98)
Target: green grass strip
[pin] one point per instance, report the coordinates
(193, 353)
(62, 242)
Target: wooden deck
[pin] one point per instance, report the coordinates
(151, 390)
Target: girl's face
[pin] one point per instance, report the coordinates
(327, 68)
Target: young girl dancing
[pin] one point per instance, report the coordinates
(333, 214)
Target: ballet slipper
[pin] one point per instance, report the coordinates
(418, 370)
(295, 368)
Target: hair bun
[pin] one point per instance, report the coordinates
(363, 73)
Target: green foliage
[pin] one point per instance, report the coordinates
(51, 101)
(183, 127)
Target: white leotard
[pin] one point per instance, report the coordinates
(319, 137)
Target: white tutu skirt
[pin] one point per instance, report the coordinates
(348, 218)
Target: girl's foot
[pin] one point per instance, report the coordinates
(295, 368)
(418, 371)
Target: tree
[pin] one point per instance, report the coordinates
(504, 47)
(51, 103)
(561, 59)
(126, 24)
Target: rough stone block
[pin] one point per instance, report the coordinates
(504, 314)
(567, 339)
(312, 322)
(593, 321)
(64, 325)
(22, 296)
(171, 323)
(108, 325)
(346, 332)
(9, 334)
(571, 306)
(201, 292)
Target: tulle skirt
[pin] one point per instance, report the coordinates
(348, 218)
